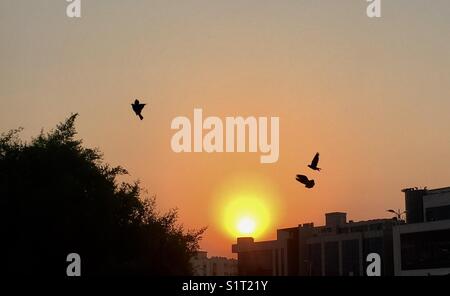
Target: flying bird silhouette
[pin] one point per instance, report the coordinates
(137, 108)
(305, 181)
(314, 163)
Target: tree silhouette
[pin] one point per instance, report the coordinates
(58, 197)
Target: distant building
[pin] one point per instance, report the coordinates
(422, 247)
(338, 248)
(261, 258)
(213, 266)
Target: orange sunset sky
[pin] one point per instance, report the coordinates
(371, 95)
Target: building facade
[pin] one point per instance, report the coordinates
(422, 247)
(213, 266)
(338, 248)
(418, 246)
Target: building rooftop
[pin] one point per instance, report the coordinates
(438, 190)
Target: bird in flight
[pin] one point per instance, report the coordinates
(305, 181)
(314, 163)
(137, 108)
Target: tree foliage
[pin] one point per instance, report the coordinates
(58, 197)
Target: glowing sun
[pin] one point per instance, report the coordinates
(247, 215)
(246, 226)
(247, 206)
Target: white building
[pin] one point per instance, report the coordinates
(422, 246)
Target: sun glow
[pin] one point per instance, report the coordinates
(248, 206)
(246, 226)
(246, 216)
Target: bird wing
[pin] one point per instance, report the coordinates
(315, 160)
(302, 179)
(139, 107)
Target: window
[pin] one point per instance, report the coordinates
(438, 213)
(424, 250)
(331, 258)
